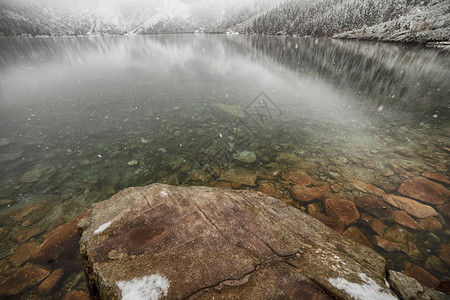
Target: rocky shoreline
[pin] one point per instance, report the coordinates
(169, 242)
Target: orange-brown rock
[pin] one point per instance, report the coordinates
(24, 278)
(309, 194)
(404, 219)
(373, 223)
(56, 241)
(444, 209)
(444, 254)
(358, 236)
(234, 244)
(387, 245)
(410, 206)
(422, 276)
(424, 190)
(22, 253)
(239, 175)
(50, 282)
(77, 295)
(366, 187)
(32, 213)
(374, 206)
(298, 177)
(430, 223)
(436, 177)
(344, 210)
(221, 184)
(25, 234)
(314, 208)
(268, 188)
(396, 233)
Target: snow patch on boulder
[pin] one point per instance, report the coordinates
(102, 227)
(144, 288)
(369, 290)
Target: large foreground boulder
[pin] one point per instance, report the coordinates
(169, 242)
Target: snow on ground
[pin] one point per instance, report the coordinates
(144, 288)
(368, 290)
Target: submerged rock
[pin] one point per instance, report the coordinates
(366, 187)
(298, 177)
(422, 276)
(344, 210)
(239, 175)
(404, 219)
(26, 277)
(232, 244)
(376, 207)
(57, 242)
(424, 190)
(245, 156)
(410, 206)
(309, 194)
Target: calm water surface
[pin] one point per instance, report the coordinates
(82, 118)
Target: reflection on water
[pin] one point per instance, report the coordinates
(82, 118)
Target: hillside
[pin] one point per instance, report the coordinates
(387, 20)
(390, 20)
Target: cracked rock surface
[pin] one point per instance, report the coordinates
(218, 243)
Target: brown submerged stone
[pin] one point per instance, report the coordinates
(344, 210)
(410, 206)
(32, 213)
(298, 177)
(366, 187)
(444, 209)
(50, 282)
(374, 206)
(404, 219)
(234, 244)
(25, 234)
(376, 225)
(424, 190)
(396, 233)
(77, 295)
(23, 253)
(26, 277)
(56, 241)
(422, 276)
(268, 188)
(430, 223)
(239, 175)
(436, 177)
(444, 254)
(309, 194)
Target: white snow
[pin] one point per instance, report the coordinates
(369, 290)
(144, 288)
(163, 193)
(102, 227)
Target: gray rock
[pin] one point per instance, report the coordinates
(205, 243)
(245, 157)
(408, 288)
(5, 141)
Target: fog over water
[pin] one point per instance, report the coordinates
(82, 118)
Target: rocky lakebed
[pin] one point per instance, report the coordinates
(393, 201)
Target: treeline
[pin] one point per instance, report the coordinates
(327, 17)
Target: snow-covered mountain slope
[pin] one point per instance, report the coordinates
(43, 17)
(421, 24)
